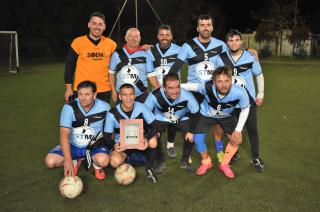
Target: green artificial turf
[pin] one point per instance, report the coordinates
(289, 133)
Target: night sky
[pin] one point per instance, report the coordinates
(57, 22)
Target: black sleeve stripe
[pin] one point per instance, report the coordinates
(70, 66)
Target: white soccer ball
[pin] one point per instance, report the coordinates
(125, 174)
(71, 186)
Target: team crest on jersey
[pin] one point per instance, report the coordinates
(82, 135)
(161, 72)
(217, 113)
(204, 70)
(171, 117)
(239, 81)
(129, 74)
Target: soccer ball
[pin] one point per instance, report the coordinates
(71, 186)
(125, 174)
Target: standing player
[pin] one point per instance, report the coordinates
(244, 67)
(177, 108)
(81, 121)
(164, 54)
(128, 108)
(221, 99)
(132, 64)
(88, 59)
(200, 54)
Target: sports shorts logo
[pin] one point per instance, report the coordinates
(129, 74)
(204, 70)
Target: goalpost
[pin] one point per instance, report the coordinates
(9, 52)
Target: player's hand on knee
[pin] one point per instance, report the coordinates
(153, 142)
(189, 137)
(236, 138)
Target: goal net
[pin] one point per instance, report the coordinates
(9, 55)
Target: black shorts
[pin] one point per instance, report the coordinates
(182, 126)
(228, 124)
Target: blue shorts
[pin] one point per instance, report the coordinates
(77, 153)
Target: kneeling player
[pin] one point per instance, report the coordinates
(221, 98)
(80, 123)
(177, 108)
(130, 109)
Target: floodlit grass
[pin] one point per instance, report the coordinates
(289, 133)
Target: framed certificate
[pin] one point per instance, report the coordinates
(131, 133)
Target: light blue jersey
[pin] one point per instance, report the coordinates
(201, 59)
(163, 62)
(242, 70)
(131, 68)
(140, 111)
(172, 111)
(84, 125)
(213, 106)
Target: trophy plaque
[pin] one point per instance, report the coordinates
(131, 133)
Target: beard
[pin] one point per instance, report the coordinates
(165, 44)
(205, 34)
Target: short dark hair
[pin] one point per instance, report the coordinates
(164, 27)
(223, 70)
(204, 17)
(170, 76)
(126, 85)
(98, 14)
(87, 84)
(233, 32)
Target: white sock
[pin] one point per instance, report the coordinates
(170, 145)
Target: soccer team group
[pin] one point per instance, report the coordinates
(219, 93)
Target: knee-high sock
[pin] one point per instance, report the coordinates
(152, 156)
(160, 156)
(199, 140)
(187, 149)
(228, 154)
(171, 132)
